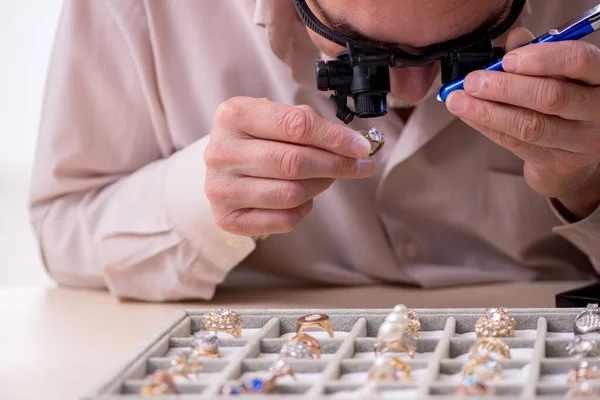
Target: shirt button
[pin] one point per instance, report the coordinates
(411, 249)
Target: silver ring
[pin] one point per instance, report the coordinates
(583, 348)
(588, 321)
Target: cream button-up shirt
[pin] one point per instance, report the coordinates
(118, 198)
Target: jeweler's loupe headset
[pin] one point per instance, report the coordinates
(362, 71)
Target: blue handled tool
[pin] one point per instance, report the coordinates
(575, 29)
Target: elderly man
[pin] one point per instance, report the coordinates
(184, 145)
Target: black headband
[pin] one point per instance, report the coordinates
(399, 58)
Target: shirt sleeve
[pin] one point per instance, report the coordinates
(584, 234)
(113, 203)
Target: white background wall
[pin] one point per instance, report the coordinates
(26, 35)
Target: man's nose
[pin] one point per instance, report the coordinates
(412, 84)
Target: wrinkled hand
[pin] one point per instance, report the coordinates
(267, 161)
(546, 110)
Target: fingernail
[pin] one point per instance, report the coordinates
(361, 147)
(456, 102)
(473, 82)
(510, 63)
(366, 167)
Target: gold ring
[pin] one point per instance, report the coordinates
(386, 369)
(495, 323)
(187, 363)
(415, 324)
(483, 367)
(161, 384)
(583, 390)
(206, 344)
(223, 320)
(301, 346)
(375, 137)
(473, 385)
(492, 347)
(314, 321)
(584, 372)
(395, 333)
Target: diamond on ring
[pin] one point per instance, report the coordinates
(206, 344)
(583, 348)
(375, 137)
(588, 321)
(223, 320)
(495, 323)
(301, 346)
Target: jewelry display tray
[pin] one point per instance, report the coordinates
(538, 368)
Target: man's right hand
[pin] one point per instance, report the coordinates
(267, 161)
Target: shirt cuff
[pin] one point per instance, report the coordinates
(189, 210)
(584, 234)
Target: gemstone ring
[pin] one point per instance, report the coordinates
(588, 321)
(375, 137)
(301, 346)
(187, 363)
(320, 321)
(492, 347)
(161, 384)
(484, 367)
(582, 348)
(495, 323)
(395, 333)
(584, 372)
(206, 344)
(473, 385)
(223, 320)
(386, 369)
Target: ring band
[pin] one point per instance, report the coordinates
(375, 137)
(301, 346)
(588, 321)
(161, 384)
(582, 348)
(320, 321)
(206, 344)
(492, 347)
(495, 323)
(386, 369)
(485, 368)
(223, 320)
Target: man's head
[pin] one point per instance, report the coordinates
(409, 25)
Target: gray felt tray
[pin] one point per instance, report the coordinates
(537, 369)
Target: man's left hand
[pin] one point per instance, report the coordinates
(546, 110)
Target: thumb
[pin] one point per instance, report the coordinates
(518, 37)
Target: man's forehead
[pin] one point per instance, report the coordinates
(413, 23)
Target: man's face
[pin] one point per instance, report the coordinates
(409, 25)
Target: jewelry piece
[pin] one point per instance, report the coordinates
(281, 368)
(386, 369)
(588, 321)
(206, 344)
(495, 323)
(395, 333)
(161, 384)
(584, 372)
(301, 346)
(223, 320)
(582, 348)
(484, 367)
(414, 322)
(314, 321)
(369, 390)
(473, 385)
(583, 390)
(491, 347)
(187, 363)
(375, 137)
